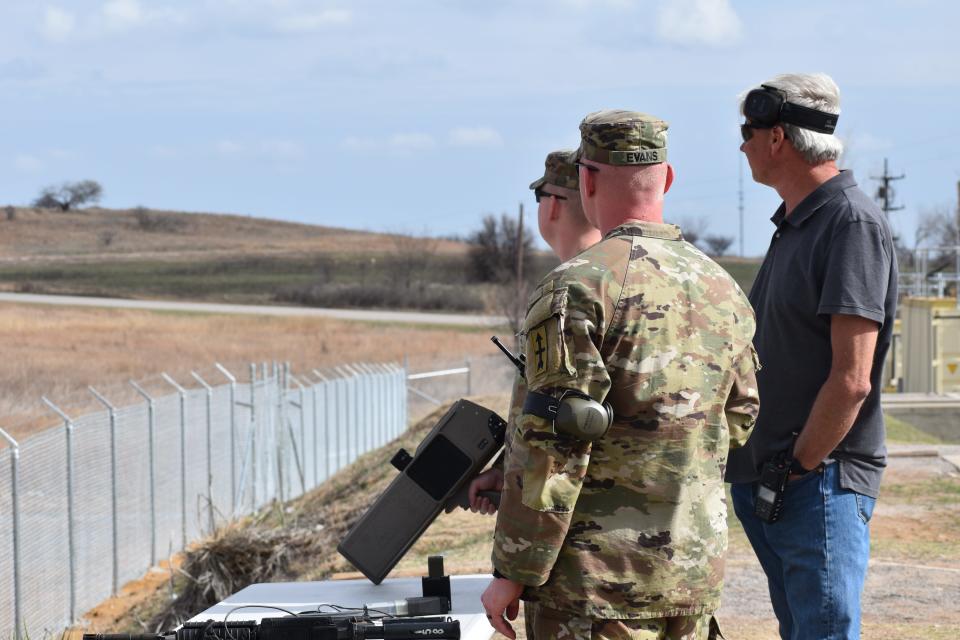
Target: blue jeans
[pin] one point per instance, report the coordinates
(815, 556)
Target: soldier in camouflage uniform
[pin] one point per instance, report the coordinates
(625, 536)
(563, 226)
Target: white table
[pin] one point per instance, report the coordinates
(301, 596)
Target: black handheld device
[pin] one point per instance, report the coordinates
(768, 505)
(435, 477)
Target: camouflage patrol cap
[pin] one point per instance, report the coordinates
(615, 136)
(559, 170)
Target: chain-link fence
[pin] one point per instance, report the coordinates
(88, 506)
(455, 378)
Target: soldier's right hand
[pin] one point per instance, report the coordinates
(489, 480)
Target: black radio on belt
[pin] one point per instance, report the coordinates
(768, 505)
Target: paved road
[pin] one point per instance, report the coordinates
(411, 317)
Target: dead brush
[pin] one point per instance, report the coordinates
(233, 558)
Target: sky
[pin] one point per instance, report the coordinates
(421, 117)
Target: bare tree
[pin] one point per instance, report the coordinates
(937, 227)
(493, 250)
(69, 195)
(694, 229)
(718, 245)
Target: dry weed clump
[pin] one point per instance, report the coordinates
(298, 541)
(230, 560)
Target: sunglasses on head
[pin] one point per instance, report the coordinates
(588, 167)
(540, 193)
(746, 129)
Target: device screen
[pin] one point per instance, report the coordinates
(765, 494)
(438, 467)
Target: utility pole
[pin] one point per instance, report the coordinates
(885, 193)
(520, 298)
(520, 249)
(956, 251)
(740, 194)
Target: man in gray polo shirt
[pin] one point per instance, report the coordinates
(825, 299)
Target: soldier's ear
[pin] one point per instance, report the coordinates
(587, 186)
(554, 213)
(669, 182)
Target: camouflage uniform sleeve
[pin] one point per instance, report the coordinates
(743, 403)
(543, 471)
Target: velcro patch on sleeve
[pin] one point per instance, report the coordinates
(546, 352)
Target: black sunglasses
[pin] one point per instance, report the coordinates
(588, 167)
(540, 193)
(746, 129)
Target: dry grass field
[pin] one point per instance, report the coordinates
(42, 235)
(59, 351)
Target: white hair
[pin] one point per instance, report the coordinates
(817, 91)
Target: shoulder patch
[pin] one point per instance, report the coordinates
(545, 348)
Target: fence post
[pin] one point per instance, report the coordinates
(253, 436)
(209, 407)
(183, 457)
(113, 489)
(326, 424)
(71, 522)
(15, 505)
(233, 436)
(301, 460)
(152, 471)
(469, 378)
(385, 393)
(353, 401)
(369, 422)
(404, 398)
(280, 423)
(316, 448)
(400, 397)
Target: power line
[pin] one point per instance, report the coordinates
(885, 193)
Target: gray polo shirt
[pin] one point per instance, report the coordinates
(833, 255)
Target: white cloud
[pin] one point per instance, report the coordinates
(475, 137)
(122, 14)
(698, 22)
(29, 163)
(315, 21)
(57, 24)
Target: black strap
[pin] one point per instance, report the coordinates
(807, 118)
(541, 405)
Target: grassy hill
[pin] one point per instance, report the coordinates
(143, 253)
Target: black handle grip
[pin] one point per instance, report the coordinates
(446, 630)
(122, 636)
